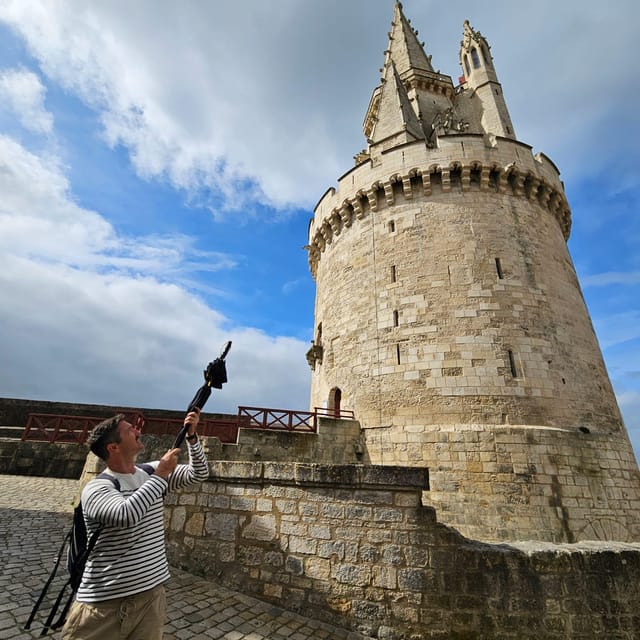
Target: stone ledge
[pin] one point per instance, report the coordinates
(354, 476)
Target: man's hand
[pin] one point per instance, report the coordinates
(192, 419)
(168, 463)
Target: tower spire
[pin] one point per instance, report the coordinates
(408, 82)
(480, 76)
(404, 47)
(395, 121)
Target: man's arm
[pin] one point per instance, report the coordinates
(198, 468)
(102, 502)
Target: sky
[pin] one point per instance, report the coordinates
(160, 161)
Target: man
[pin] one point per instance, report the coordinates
(122, 594)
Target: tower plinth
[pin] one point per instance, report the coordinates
(450, 317)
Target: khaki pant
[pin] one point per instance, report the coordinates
(137, 617)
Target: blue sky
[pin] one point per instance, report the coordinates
(159, 163)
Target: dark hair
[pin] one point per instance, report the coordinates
(103, 434)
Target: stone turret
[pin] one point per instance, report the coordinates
(449, 316)
(481, 83)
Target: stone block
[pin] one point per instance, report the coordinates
(260, 528)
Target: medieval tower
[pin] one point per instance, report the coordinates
(449, 316)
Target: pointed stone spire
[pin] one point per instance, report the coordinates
(411, 93)
(404, 48)
(394, 115)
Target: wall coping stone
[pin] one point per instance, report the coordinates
(353, 476)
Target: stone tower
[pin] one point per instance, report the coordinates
(449, 316)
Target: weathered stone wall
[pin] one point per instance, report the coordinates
(353, 545)
(41, 459)
(513, 483)
(451, 313)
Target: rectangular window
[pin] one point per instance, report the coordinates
(392, 226)
(393, 273)
(499, 269)
(512, 364)
(398, 353)
(395, 319)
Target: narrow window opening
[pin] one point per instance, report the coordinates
(395, 319)
(512, 364)
(499, 269)
(475, 59)
(398, 353)
(466, 66)
(393, 273)
(392, 226)
(508, 130)
(497, 92)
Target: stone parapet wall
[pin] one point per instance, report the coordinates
(336, 442)
(354, 546)
(460, 163)
(41, 459)
(522, 482)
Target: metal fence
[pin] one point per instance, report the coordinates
(44, 427)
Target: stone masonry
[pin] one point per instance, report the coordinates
(449, 316)
(353, 546)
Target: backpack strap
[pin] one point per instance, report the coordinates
(148, 468)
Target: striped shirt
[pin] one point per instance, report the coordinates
(129, 556)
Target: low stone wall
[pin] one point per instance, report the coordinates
(336, 441)
(512, 482)
(15, 412)
(353, 545)
(41, 459)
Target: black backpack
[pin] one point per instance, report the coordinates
(79, 547)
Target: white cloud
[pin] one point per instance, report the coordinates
(39, 220)
(618, 328)
(90, 315)
(22, 92)
(610, 278)
(270, 96)
(629, 402)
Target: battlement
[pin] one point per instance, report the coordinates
(460, 163)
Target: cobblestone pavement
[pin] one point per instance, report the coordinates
(34, 515)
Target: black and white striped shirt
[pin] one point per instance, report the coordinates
(129, 556)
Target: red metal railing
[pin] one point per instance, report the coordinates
(278, 419)
(51, 428)
(75, 429)
(341, 414)
(55, 428)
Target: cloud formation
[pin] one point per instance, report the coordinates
(89, 314)
(260, 100)
(22, 93)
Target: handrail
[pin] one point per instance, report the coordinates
(341, 414)
(44, 427)
(47, 427)
(277, 419)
